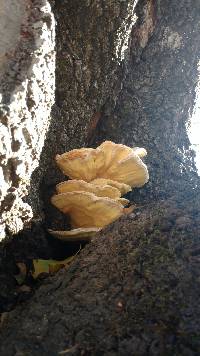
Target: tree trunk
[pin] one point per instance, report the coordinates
(158, 94)
(27, 72)
(125, 72)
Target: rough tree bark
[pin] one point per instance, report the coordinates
(135, 288)
(158, 94)
(27, 72)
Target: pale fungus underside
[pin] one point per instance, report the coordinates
(76, 234)
(98, 179)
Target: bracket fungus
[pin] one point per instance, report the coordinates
(82, 186)
(92, 197)
(123, 164)
(87, 210)
(83, 163)
(109, 160)
(76, 234)
(122, 187)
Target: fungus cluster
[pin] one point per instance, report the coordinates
(92, 197)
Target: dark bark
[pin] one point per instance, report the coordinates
(88, 74)
(133, 291)
(158, 94)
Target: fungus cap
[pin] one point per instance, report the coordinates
(83, 163)
(140, 151)
(122, 187)
(109, 160)
(123, 201)
(113, 152)
(87, 210)
(131, 171)
(123, 164)
(80, 185)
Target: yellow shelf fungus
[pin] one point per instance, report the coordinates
(83, 163)
(98, 179)
(109, 160)
(78, 234)
(87, 210)
(123, 188)
(123, 164)
(80, 185)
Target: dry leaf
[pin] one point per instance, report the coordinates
(49, 266)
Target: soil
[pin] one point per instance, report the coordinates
(134, 290)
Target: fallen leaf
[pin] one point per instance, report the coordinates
(49, 266)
